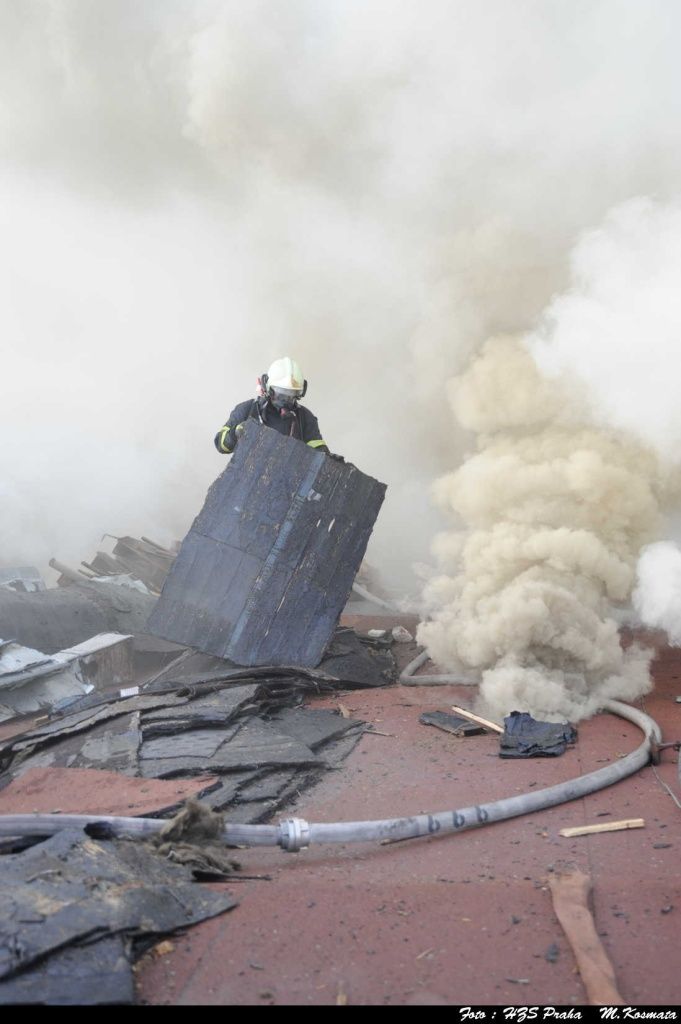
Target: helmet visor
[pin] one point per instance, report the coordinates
(284, 398)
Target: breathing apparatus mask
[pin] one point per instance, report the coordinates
(284, 399)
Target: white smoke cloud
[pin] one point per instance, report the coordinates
(617, 330)
(616, 333)
(577, 462)
(657, 597)
(194, 187)
(555, 513)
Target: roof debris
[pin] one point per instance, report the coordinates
(138, 559)
(59, 618)
(242, 728)
(31, 681)
(24, 579)
(484, 722)
(76, 911)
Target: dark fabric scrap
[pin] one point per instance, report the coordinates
(524, 736)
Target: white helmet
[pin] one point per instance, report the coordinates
(284, 383)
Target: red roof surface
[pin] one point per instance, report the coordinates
(460, 919)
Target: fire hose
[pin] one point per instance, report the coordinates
(294, 834)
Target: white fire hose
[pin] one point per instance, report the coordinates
(293, 834)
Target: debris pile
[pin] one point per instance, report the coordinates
(185, 669)
(143, 560)
(78, 911)
(31, 681)
(241, 725)
(24, 579)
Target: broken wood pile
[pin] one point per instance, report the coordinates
(141, 559)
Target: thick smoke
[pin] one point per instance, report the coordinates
(575, 468)
(657, 597)
(616, 330)
(191, 188)
(554, 515)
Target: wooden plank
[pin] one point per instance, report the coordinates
(476, 718)
(608, 826)
(570, 893)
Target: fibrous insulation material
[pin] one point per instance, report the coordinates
(554, 513)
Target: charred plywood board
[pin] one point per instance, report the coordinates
(267, 567)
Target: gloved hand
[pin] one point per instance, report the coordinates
(238, 430)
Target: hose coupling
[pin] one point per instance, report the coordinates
(295, 834)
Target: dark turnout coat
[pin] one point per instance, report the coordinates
(300, 423)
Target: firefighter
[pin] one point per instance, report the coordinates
(276, 406)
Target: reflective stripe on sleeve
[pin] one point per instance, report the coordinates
(316, 444)
(223, 435)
